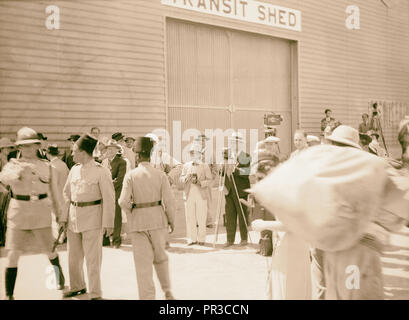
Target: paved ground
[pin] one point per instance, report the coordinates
(196, 272)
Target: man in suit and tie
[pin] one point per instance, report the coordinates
(196, 177)
(117, 165)
(67, 156)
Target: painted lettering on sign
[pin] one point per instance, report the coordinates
(245, 10)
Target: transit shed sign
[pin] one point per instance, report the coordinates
(245, 10)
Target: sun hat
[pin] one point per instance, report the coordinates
(27, 136)
(345, 135)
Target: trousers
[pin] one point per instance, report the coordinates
(232, 212)
(88, 245)
(149, 251)
(196, 214)
(116, 235)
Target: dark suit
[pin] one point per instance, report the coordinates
(68, 159)
(118, 170)
(241, 179)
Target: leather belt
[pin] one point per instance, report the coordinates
(86, 204)
(29, 198)
(146, 204)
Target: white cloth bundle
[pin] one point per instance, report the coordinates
(326, 195)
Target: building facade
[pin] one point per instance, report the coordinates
(136, 65)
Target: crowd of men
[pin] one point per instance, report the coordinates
(100, 182)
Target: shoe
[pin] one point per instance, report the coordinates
(9, 298)
(169, 296)
(97, 298)
(71, 294)
(192, 243)
(210, 226)
(243, 242)
(201, 243)
(228, 244)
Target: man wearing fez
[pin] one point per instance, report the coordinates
(89, 196)
(150, 207)
(117, 165)
(33, 198)
(67, 156)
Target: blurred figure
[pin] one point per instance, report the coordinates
(160, 159)
(328, 122)
(60, 177)
(117, 166)
(67, 156)
(365, 126)
(95, 131)
(42, 151)
(313, 140)
(364, 141)
(128, 153)
(374, 146)
(6, 146)
(236, 185)
(196, 177)
(300, 142)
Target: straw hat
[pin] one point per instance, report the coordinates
(345, 135)
(153, 137)
(27, 136)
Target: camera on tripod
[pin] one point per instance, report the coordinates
(375, 109)
(226, 154)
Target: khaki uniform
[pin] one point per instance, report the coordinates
(29, 222)
(148, 227)
(86, 183)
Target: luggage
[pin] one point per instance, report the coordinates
(326, 195)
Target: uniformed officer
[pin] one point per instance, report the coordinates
(29, 215)
(149, 204)
(90, 209)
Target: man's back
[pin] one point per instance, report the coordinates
(142, 186)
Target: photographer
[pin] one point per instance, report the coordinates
(196, 177)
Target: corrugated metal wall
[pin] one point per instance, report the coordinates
(219, 78)
(339, 68)
(104, 68)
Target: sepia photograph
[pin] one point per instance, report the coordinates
(204, 150)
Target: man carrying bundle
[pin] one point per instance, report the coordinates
(329, 208)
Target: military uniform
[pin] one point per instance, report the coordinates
(148, 201)
(33, 197)
(90, 206)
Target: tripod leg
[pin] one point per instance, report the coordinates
(219, 203)
(241, 208)
(383, 138)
